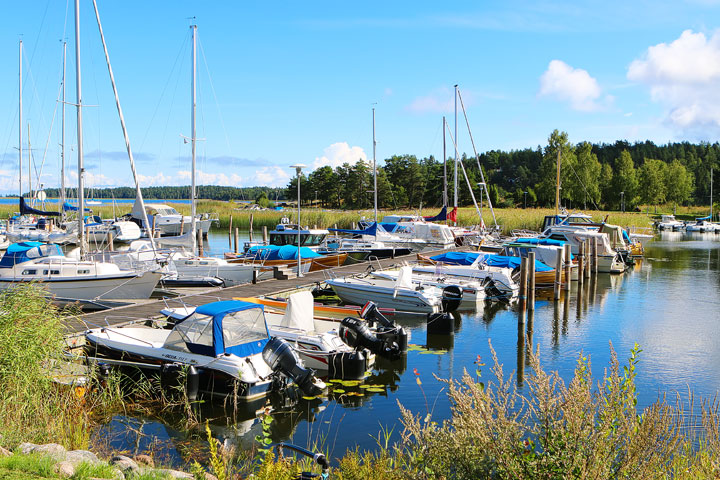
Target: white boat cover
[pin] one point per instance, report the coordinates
(299, 312)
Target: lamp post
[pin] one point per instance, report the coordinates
(525, 199)
(298, 168)
(622, 201)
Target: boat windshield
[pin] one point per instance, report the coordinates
(243, 327)
(194, 334)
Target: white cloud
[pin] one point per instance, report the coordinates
(573, 85)
(441, 100)
(273, 176)
(684, 76)
(338, 154)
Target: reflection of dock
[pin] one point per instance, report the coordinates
(151, 308)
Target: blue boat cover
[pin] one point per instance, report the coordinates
(68, 207)
(219, 310)
(703, 218)
(540, 241)
(23, 251)
(371, 230)
(26, 210)
(490, 259)
(276, 252)
(439, 217)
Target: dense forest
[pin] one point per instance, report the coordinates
(604, 176)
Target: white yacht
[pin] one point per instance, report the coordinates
(669, 222)
(168, 221)
(70, 278)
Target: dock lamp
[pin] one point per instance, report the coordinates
(298, 168)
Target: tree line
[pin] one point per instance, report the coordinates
(618, 176)
(210, 192)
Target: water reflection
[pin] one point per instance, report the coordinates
(667, 303)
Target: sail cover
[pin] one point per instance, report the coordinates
(439, 217)
(27, 210)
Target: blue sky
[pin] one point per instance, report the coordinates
(282, 83)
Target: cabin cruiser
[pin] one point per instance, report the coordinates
(473, 291)
(503, 271)
(669, 222)
(287, 256)
(71, 278)
(224, 347)
(98, 230)
(703, 225)
(609, 260)
(168, 221)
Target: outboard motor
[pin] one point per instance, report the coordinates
(492, 292)
(384, 328)
(281, 357)
(356, 334)
(451, 298)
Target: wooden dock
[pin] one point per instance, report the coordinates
(151, 308)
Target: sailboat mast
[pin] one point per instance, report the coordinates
(445, 195)
(62, 150)
(20, 121)
(138, 192)
(711, 194)
(192, 139)
(30, 192)
(455, 196)
(78, 104)
(374, 167)
(557, 184)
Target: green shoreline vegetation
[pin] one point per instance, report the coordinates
(584, 428)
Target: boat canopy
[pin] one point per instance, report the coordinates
(69, 207)
(24, 251)
(703, 218)
(284, 252)
(371, 230)
(489, 259)
(540, 241)
(299, 312)
(217, 328)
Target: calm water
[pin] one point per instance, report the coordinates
(668, 304)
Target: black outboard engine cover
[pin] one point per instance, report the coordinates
(492, 292)
(451, 298)
(356, 334)
(281, 357)
(385, 329)
(440, 324)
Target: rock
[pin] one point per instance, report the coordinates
(174, 473)
(78, 456)
(145, 460)
(5, 453)
(210, 476)
(124, 464)
(64, 469)
(52, 449)
(26, 448)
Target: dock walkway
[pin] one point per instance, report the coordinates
(151, 308)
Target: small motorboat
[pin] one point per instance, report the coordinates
(224, 346)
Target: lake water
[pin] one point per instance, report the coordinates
(668, 303)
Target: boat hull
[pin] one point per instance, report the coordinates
(402, 300)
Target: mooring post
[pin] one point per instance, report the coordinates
(152, 231)
(581, 263)
(230, 230)
(110, 240)
(595, 256)
(558, 276)
(201, 250)
(568, 266)
(252, 219)
(523, 283)
(265, 235)
(588, 255)
(531, 280)
(237, 240)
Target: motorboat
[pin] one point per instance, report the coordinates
(269, 256)
(669, 222)
(702, 225)
(224, 348)
(168, 221)
(98, 231)
(400, 294)
(503, 271)
(609, 260)
(72, 278)
(473, 291)
(184, 264)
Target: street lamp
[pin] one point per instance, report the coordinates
(298, 168)
(525, 199)
(622, 201)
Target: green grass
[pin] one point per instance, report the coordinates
(37, 465)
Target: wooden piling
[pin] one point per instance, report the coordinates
(568, 266)
(252, 219)
(595, 256)
(531, 280)
(201, 250)
(558, 276)
(523, 283)
(581, 262)
(265, 235)
(154, 229)
(237, 240)
(110, 240)
(230, 230)
(588, 258)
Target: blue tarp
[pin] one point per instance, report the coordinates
(493, 260)
(275, 252)
(540, 241)
(218, 310)
(68, 207)
(371, 230)
(703, 218)
(24, 251)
